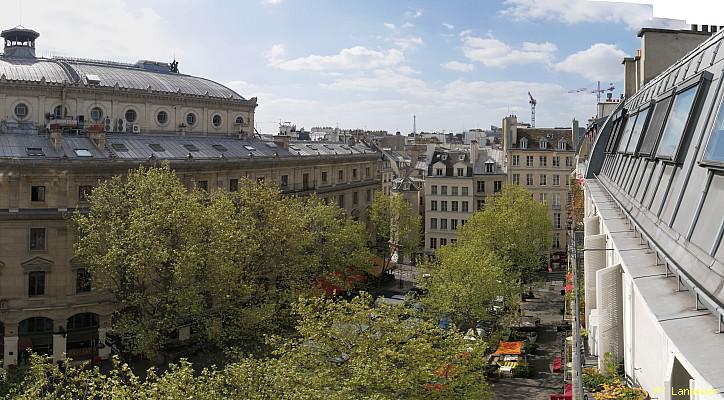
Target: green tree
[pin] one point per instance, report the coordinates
(391, 220)
(515, 227)
(228, 263)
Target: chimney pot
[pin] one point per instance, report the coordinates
(694, 27)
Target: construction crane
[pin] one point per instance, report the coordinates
(532, 103)
(598, 91)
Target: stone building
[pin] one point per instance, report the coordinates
(66, 125)
(542, 160)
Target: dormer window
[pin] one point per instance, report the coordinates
(462, 157)
(561, 144)
(488, 167)
(524, 143)
(543, 144)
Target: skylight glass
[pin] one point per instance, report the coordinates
(676, 123)
(715, 148)
(636, 132)
(83, 153)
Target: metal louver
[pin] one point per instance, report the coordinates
(609, 293)
(593, 260)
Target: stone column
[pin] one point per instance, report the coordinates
(104, 351)
(11, 351)
(59, 341)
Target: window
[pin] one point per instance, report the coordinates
(454, 206)
(119, 147)
(465, 207)
(305, 181)
(676, 123)
(433, 205)
(83, 153)
(37, 193)
(203, 185)
(36, 283)
(340, 175)
(443, 242)
(355, 198)
(285, 180)
(443, 205)
(638, 127)
(156, 147)
(464, 190)
(83, 192)
(556, 161)
(481, 204)
(340, 201)
(34, 152)
(324, 176)
(516, 179)
(131, 115)
(369, 195)
(523, 143)
(489, 167)
(528, 161)
(543, 160)
(497, 186)
(216, 121)
(21, 110)
(96, 114)
(433, 243)
(453, 224)
(556, 201)
(191, 119)
(561, 144)
(569, 162)
(60, 112)
(543, 144)
(557, 220)
(82, 280)
(626, 133)
(655, 124)
(162, 117)
(516, 161)
(529, 179)
(433, 189)
(461, 171)
(354, 173)
(239, 120)
(454, 190)
(37, 239)
(367, 172)
(714, 152)
(543, 180)
(542, 197)
(556, 180)
(433, 223)
(443, 224)
(557, 240)
(190, 147)
(233, 185)
(443, 190)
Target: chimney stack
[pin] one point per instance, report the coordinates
(56, 139)
(99, 139)
(282, 141)
(474, 150)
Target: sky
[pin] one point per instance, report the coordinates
(373, 64)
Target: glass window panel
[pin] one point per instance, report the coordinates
(612, 137)
(654, 128)
(715, 148)
(636, 132)
(626, 134)
(676, 122)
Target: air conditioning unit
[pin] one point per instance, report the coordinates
(122, 125)
(136, 128)
(107, 125)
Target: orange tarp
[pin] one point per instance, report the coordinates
(509, 348)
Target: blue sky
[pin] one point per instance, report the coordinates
(367, 64)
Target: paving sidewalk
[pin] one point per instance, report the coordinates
(546, 305)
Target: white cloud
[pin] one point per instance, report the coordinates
(382, 80)
(271, 2)
(492, 52)
(448, 26)
(413, 14)
(458, 66)
(409, 42)
(389, 25)
(635, 16)
(599, 62)
(407, 25)
(353, 58)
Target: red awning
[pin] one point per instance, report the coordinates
(509, 348)
(557, 365)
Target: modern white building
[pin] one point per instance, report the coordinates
(654, 221)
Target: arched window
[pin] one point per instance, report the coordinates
(524, 143)
(561, 144)
(191, 119)
(21, 110)
(543, 144)
(216, 120)
(60, 112)
(239, 120)
(96, 114)
(131, 115)
(162, 117)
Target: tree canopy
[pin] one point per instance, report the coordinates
(390, 219)
(228, 264)
(340, 350)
